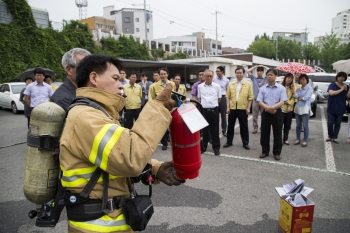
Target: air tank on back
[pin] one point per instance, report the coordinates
(42, 163)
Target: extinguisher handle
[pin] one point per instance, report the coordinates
(197, 104)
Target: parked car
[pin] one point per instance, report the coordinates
(9, 96)
(322, 95)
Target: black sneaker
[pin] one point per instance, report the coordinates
(164, 147)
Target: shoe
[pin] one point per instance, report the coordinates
(204, 150)
(335, 141)
(255, 131)
(227, 145)
(297, 142)
(246, 147)
(211, 142)
(277, 157)
(263, 156)
(328, 139)
(164, 147)
(348, 141)
(224, 134)
(286, 142)
(304, 144)
(216, 152)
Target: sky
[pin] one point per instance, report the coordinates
(238, 22)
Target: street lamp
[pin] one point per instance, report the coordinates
(144, 8)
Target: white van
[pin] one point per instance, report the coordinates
(322, 80)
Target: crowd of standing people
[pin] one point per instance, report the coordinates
(222, 100)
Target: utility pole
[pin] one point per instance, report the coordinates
(305, 38)
(216, 15)
(144, 3)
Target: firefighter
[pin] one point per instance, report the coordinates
(90, 139)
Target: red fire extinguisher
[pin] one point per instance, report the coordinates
(185, 146)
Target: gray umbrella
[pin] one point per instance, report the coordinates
(30, 73)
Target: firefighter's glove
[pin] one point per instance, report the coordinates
(166, 174)
(164, 98)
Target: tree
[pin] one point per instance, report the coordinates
(157, 53)
(311, 52)
(344, 50)
(330, 52)
(263, 48)
(288, 49)
(177, 56)
(125, 47)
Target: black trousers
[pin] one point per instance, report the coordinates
(223, 107)
(212, 117)
(165, 138)
(130, 116)
(287, 124)
(243, 125)
(274, 120)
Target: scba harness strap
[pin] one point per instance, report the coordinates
(79, 206)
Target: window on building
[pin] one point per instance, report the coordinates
(137, 20)
(219, 46)
(213, 46)
(147, 30)
(137, 29)
(344, 26)
(181, 43)
(96, 25)
(193, 44)
(127, 29)
(127, 19)
(103, 26)
(173, 43)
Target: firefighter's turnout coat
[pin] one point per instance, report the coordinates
(90, 140)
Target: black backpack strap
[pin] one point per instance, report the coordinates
(91, 184)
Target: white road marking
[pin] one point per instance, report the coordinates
(278, 163)
(328, 149)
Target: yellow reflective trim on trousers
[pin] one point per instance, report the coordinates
(103, 143)
(77, 177)
(103, 224)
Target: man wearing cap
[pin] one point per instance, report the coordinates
(257, 82)
(37, 92)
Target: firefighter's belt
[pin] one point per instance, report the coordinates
(43, 142)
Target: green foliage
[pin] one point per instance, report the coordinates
(125, 47)
(265, 36)
(157, 53)
(311, 52)
(330, 52)
(177, 56)
(288, 49)
(344, 51)
(263, 48)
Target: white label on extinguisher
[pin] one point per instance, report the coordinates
(192, 117)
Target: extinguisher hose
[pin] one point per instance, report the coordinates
(198, 104)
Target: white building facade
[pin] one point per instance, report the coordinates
(131, 21)
(341, 26)
(184, 44)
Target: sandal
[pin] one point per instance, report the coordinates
(286, 142)
(304, 144)
(335, 141)
(297, 142)
(328, 139)
(348, 141)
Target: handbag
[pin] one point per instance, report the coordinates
(137, 210)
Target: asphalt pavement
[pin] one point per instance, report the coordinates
(235, 192)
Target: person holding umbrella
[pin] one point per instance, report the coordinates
(336, 106)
